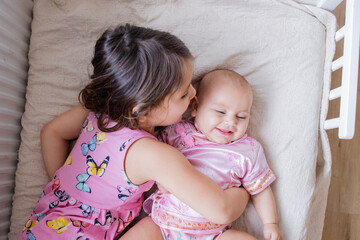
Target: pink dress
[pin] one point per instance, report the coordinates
(239, 163)
(90, 197)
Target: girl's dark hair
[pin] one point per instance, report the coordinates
(133, 67)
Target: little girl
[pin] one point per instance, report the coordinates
(217, 145)
(141, 79)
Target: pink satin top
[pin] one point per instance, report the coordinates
(239, 163)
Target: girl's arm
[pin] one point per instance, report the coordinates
(148, 159)
(264, 203)
(56, 134)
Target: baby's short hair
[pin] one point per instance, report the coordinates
(215, 74)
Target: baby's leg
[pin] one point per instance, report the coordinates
(233, 234)
(145, 229)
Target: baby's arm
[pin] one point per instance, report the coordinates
(148, 159)
(56, 134)
(265, 206)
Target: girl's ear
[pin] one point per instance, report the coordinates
(140, 118)
(194, 106)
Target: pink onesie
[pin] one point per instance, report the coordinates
(239, 163)
(90, 197)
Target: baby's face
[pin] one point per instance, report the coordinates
(223, 111)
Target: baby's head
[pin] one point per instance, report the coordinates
(223, 104)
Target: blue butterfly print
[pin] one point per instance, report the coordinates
(180, 236)
(42, 195)
(82, 186)
(123, 146)
(85, 148)
(30, 236)
(62, 197)
(40, 216)
(128, 181)
(121, 195)
(87, 210)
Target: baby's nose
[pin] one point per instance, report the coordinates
(230, 121)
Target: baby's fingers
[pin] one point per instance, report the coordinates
(275, 236)
(271, 232)
(267, 236)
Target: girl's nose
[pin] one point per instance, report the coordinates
(192, 92)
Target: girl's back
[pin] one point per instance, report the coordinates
(93, 174)
(94, 171)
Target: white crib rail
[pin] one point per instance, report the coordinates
(349, 63)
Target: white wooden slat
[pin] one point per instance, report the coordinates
(9, 130)
(22, 9)
(10, 115)
(15, 20)
(6, 172)
(17, 56)
(8, 13)
(337, 64)
(11, 79)
(349, 79)
(5, 199)
(15, 100)
(332, 123)
(349, 63)
(325, 4)
(8, 159)
(335, 93)
(328, 4)
(8, 145)
(340, 34)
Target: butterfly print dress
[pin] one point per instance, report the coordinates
(90, 197)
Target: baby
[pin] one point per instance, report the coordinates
(217, 145)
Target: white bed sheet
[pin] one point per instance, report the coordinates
(283, 48)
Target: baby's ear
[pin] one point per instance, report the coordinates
(194, 106)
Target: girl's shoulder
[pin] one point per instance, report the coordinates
(146, 155)
(91, 124)
(152, 150)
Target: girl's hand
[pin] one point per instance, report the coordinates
(56, 134)
(271, 232)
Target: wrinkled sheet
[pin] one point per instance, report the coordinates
(283, 48)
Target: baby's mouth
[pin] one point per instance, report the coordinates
(224, 132)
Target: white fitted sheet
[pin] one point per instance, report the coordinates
(283, 48)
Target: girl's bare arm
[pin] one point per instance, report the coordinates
(148, 159)
(56, 134)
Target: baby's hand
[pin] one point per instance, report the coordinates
(271, 232)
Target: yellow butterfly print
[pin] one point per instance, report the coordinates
(93, 169)
(100, 137)
(60, 224)
(68, 161)
(29, 225)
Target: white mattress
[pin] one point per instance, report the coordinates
(283, 48)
